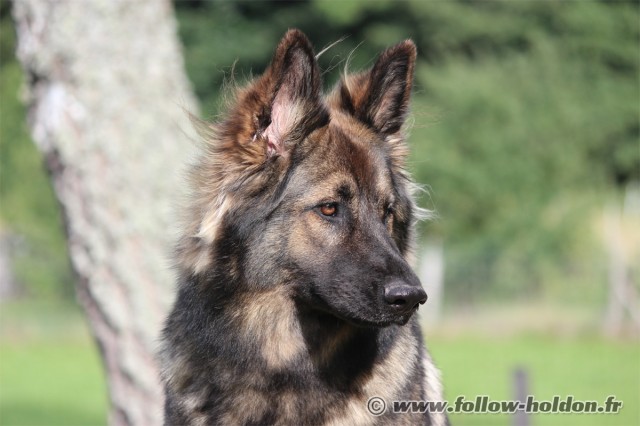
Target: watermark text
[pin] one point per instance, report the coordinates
(483, 404)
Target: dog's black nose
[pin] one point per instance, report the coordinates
(404, 297)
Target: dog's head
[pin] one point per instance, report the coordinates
(309, 192)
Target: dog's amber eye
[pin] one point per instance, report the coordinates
(329, 209)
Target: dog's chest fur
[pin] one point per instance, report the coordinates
(327, 381)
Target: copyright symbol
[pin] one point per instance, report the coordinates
(376, 405)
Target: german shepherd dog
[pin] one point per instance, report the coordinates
(295, 299)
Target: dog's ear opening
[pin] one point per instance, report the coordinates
(380, 97)
(291, 92)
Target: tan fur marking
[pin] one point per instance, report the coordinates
(335, 343)
(433, 389)
(287, 406)
(176, 372)
(191, 404)
(270, 319)
(212, 219)
(201, 261)
(245, 404)
(198, 258)
(385, 382)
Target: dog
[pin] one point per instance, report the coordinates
(295, 300)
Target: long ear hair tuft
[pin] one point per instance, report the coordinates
(380, 97)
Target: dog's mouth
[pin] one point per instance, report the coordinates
(405, 315)
(384, 318)
(403, 312)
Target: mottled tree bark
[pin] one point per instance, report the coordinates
(106, 92)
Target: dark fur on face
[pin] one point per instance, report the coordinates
(294, 286)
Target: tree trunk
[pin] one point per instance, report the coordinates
(106, 92)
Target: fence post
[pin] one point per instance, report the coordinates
(521, 389)
(432, 277)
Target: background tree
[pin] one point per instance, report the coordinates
(106, 91)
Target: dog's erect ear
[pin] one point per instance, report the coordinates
(288, 95)
(380, 96)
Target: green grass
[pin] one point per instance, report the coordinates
(49, 383)
(588, 368)
(50, 372)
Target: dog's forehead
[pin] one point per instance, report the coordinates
(352, 153)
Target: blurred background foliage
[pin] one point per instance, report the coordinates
(525, 130)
